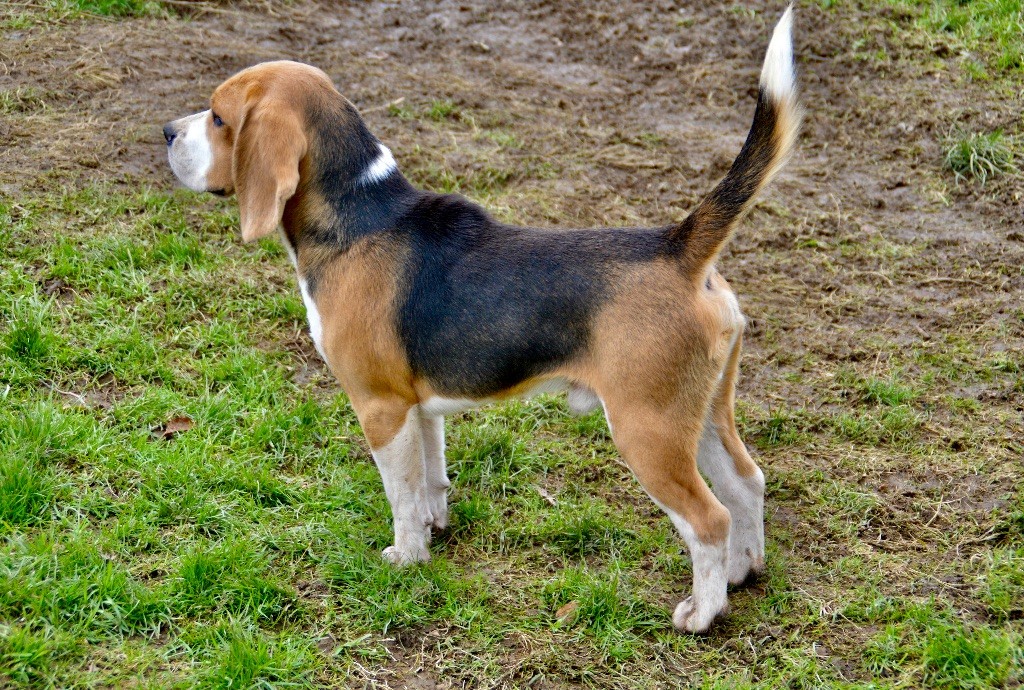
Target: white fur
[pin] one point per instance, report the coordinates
(582, 400)
(607, 418)
(777, 75)
(743, 496)
(190, 154)
(439, 406)
(710, 561)
(288, 246)
(382, 166)
(401, 465)
(316, 329)
(436, 474)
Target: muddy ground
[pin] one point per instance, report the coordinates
(863, 255)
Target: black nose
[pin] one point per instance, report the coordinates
(169, 134)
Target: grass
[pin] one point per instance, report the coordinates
(244, 551)
(110, 8)
(222, 555)
(975, 156)
(988, 33)
(994, 28)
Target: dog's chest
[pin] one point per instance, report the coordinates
(316, 328)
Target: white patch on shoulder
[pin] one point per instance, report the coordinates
(316, 329)
(381, 167)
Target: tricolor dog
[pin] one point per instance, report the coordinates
(423, 305)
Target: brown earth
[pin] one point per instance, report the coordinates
(863, 251)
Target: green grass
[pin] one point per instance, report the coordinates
(959, 658)
(993, 27)
(991, 31)
(110, 8)
(244, 552)
(979, 157)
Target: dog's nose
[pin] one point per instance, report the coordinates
(169, 134)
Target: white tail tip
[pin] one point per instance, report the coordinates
(778, 77)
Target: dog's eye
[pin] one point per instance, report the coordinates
(217, 122)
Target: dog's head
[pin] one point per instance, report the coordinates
(255, 139)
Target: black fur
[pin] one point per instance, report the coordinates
(701, 235)
(485, 305)
(490, 305)
(345, 149)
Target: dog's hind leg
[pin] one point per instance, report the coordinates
(661, 449)
(736, 479)
(432, 428)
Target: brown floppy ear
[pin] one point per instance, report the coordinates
(269, 146)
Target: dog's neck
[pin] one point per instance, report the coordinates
(350, 188)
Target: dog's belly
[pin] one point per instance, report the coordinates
(439, 405)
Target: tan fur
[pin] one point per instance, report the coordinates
(659, 347)
(356, 301)
(664, 352)
(723, 415)
(264, 130)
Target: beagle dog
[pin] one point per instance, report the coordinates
(423, 305)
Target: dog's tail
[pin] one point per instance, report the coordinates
(769, 142)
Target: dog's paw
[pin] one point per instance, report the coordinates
(744, 567)
(396, 557)
(439, 508)
(692, 618)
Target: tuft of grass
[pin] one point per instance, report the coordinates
(26, 491)
(442, 110)
(957, 657)
(111, 8)
(23, 99)
(780, 429)
(606, 610)
(979, 156)
(1003, 588)
(30, 341)
(994, 28)
(73, 587)
(230, 578)
(887, 392)
(383, 597)
(27, 654)
(247, 659)
(578, 532)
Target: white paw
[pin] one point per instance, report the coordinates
(744, 562)
(439, 513)
(438, 503)
(691, 617)
(396, 557)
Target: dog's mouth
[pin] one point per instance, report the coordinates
(219, 192)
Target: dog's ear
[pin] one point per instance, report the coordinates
(267, 151)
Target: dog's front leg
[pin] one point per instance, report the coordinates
(432, 427)
(396, 441)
